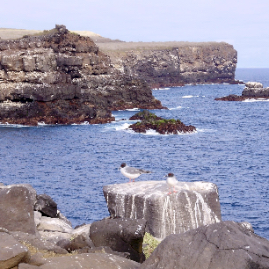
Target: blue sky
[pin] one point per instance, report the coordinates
(242, 23)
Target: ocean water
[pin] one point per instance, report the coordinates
(230, 149)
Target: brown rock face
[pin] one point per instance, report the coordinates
(17, 209)
(63, 78)
(174, 63)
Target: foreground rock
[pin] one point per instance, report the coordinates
(85, 261)
(11, 251)
(195, 204)
(34, 233)
(166, 64)
(253, 90)
(123, 235)
(63, 78)
(222, 245)
(150, 121)
(17, 208)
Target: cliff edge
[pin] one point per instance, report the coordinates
(60, 77)
(166, 64)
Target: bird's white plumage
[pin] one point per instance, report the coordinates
(171, 182)
(131, 172)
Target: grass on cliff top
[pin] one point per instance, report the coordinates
(141, 46)
(149, 244)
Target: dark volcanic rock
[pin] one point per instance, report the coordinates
(60, 77)
(222, 245)
(150, 121)
(46, 205)
(166, 64)
(122, 235)
(253, 90)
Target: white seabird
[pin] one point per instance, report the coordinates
(171, 182)
(131, 172)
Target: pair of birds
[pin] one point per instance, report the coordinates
(132, 173)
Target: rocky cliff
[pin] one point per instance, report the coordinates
(60, 77)
(164, 64)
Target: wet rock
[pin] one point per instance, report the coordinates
(11, 251)
(193, 205)
(222, 245)
(46, 205)
(122, 235)
(17, 209)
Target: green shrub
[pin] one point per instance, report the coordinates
(149, 244)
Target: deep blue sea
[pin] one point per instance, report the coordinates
(230, 149)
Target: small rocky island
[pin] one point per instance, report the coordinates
(253, 90)
(149, 121)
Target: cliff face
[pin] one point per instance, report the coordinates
(63, 78)
(174, 63)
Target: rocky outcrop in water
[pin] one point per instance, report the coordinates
(253, 90)
(149, 121)
(195, 204)
(63, 78)
(166, 64)
(222, 245)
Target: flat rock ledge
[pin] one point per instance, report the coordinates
(193, 205)
(253, 90)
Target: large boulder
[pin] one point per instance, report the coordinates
(221, 245)
(193, 205)
(11, 251)
(17, 209)
(122, 235)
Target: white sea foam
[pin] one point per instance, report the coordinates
(256, 100)
(205, 130)
(122, 127)
(175, 108)
(189, 96)
(133, 109)
(13, 125)
(161, 89)
(42, 123)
